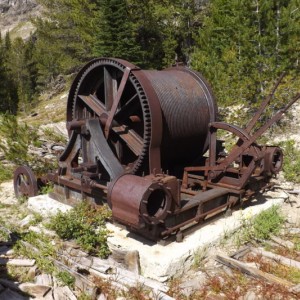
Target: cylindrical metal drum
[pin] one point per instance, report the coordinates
(151, 119)
(188, 107)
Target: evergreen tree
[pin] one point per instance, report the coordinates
(8, 94)
(65, 36)
(117, 36)
(165, 30)
(243, 46)
(22, 71)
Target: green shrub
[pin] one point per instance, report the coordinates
(65, 278)
(86, 225)
(46, 250)
(291, 163)
(6, 173)
(50, 134)
(16, 139)
(267, 223)
(262, 226)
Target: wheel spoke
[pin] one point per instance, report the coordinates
(116, 102)
(110, 87)
(131, 138)
(93, 103)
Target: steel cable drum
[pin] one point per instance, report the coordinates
(151, 119)
(188, 107)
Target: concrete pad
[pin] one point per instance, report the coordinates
(46, 206)
(160, 262)
(163, 262)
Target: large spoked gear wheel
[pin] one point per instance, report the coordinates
(127, 124)
(25, 183)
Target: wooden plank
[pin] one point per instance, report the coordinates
(18, 262)
(278, 258)
(241, 253)
(281, 242)
(81, 282)
(243, 267)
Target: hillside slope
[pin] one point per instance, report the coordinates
(15, 17)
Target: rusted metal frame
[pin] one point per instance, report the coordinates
(170, 230)
(214, 126)
(71, 152)
(116, 101)
(264, 104)
(187, 191)
(156, 121)
(203, 197)
(244, 178)
(129, 105)
(200, 180)
(238, 151)
(72, 183)
(102, 149)
(241, 133)
(212, 146)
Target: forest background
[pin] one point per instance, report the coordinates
(240, 46)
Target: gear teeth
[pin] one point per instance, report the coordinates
(140, 165)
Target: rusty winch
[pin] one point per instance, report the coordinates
(146, 142)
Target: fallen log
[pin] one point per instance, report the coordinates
(251, 271)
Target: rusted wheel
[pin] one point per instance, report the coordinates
(25, 183)
(109, 90)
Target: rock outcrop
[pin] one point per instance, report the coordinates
(15, 17)
(17, 7)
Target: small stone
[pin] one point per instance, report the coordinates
(295, 288)
(26, 221)
(36, 290)
(44, 279)
(32, 272)
(250, 295)
(63, 293)
(10, 252)
(294, 230)
(102, 297)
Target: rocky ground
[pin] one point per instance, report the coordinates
(22, 278)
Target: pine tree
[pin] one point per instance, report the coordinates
(117, 36)
(242, 47)
(65, 36)
(8, 94)
(22, 71)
